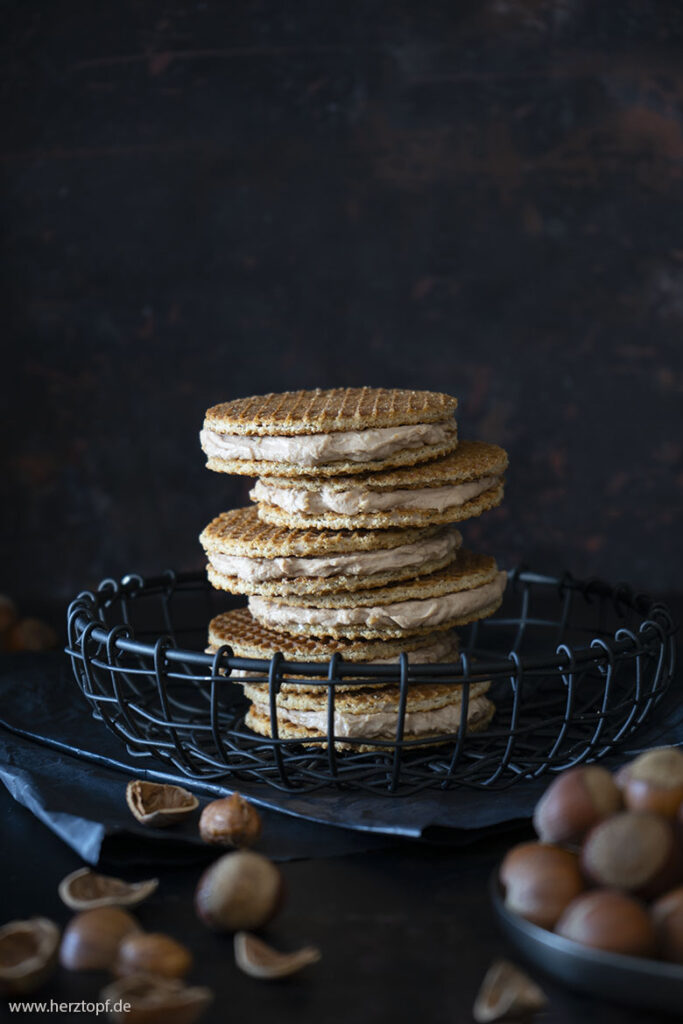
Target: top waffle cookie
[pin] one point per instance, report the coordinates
(315, 412)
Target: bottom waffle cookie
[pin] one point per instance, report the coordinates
(432, 709)
(480, 711)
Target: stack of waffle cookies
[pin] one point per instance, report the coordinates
(350, 548)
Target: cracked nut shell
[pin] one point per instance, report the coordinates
(159, 805)
(231, 821)
(259, 960)
(28, 954)
(85, 890)
(155, 1000)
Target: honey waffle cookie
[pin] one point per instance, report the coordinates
(470, 588)
(248, 556)
(432, 710)
(450, 489)
(247, 638)
(328, 433)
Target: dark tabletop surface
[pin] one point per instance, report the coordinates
(406, 933)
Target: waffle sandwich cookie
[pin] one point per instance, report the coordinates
(470, 588)
(247, 638)
(432, 710)
(458, 486)
(248, 556)
(328, 433)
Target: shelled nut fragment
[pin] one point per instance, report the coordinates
(28, 954)
(154, 1000)
(159, 804)
(506, 992)
(231, 821)
(84, 890)
(254, 957)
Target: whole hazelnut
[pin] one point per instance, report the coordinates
(609, 920)
(8, 613)
(152, 953)
(576, 801)
(31, 635)
(633, 851)
(540, 880)
(654, 781)
(667, 914)
(92, 938)
(241, 891)
(231, 821)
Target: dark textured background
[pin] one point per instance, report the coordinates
(208, 200)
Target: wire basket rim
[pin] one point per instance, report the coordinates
(83, 611)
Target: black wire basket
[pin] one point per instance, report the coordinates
(575, 668)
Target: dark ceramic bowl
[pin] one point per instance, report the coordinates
(650, 984)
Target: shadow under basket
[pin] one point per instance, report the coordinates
(575, 667)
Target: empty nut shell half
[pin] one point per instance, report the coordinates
(506, 992)
(158, 804)
(154, 1000)
(28, 954)
(254, 957)
(85, 890)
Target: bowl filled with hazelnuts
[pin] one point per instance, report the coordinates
(597, 900)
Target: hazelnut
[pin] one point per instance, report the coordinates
(31, 635)
(633, 851)
(159, 805)
(152, 953)
(92, 938)
(28, 954)
(241, 891)
(8, 613)
(231, 821)
(667, 914)
(654, 782)
(540, 880)
(150, 999)
(574, 802)
(609, 920)
(85, 890)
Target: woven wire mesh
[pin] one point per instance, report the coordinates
(575, 667)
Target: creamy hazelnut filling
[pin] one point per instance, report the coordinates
(320, 449)
(354, 563)
(382, 724)
(360, 499)
(415, 614)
